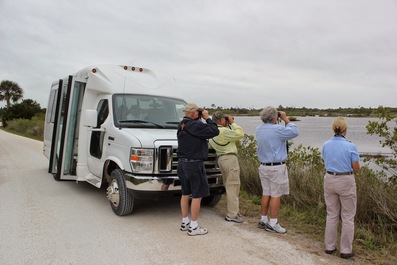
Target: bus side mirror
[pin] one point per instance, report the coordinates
(90, 118)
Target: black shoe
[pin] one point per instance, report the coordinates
(265, 226)
(262, 225)
(330, 252)
(346, 256)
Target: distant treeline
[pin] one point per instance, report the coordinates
(292, 111)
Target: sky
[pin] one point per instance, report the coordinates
(227, 53)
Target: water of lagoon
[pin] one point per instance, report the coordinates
(314, 131)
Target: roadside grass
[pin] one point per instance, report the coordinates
(310, 225)
(304, 210)
(33, 128)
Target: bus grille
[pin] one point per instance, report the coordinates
(168, 161)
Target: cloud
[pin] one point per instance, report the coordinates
(229, 53)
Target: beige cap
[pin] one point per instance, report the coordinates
(191, 107)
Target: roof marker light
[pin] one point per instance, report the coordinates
(125, 67)
(133, 68)
(140, 69)
(93, 70)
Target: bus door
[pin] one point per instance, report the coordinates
(63, 156)
(98, 143)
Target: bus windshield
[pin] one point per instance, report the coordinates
(145, 111)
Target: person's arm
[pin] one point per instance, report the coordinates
(356, 166)
(203, 130)
(355, 158)
(234, 135)
(210, 129)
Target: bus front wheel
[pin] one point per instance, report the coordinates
(121, 201)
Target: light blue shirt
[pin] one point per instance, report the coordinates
(271, 141)
(338, 154)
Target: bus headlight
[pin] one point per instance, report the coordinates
(142, 160)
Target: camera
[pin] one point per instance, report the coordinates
(226, 117)
(200, 112)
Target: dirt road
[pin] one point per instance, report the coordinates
(43, 221)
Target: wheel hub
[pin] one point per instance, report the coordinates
(113, 193)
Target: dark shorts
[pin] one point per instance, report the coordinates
(193, 179)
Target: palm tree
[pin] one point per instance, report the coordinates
(10, 91)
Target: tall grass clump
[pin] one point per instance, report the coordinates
(33, 128)
(306, 200)
(248, 161)
(377, 205)
(306, 171)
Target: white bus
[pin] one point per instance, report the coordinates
(116, 126)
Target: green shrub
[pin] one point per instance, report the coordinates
(306, 171)
(33, 128)
(376, 202)
(248, 162)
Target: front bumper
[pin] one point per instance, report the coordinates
(154, 187)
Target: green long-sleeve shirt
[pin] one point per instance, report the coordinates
(225, 142)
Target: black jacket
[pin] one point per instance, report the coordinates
(192, 138)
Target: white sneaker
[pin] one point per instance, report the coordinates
(197, 231)
(237, 219)
(276, 228)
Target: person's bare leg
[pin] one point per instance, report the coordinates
(274, 206)
(195, 208)
(185, 205)
(264, 204)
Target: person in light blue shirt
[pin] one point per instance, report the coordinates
(271, 139)
(341, 159)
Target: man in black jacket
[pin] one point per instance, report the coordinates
(192, 135)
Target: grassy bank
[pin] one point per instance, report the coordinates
(33, 128)
(304, 209)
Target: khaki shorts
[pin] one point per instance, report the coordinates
(274, 180)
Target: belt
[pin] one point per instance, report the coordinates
(273, 163)
(339, 173)
(227, 154)
(189, 160)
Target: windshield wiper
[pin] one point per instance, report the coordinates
(133, 121)
(141, 121)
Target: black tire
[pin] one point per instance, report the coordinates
(121, 201)
(211, 200)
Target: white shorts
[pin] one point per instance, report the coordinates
(274, 180)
